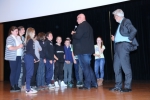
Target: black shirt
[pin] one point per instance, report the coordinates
(30, 49)
(59, 53)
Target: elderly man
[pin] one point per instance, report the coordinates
(83, 47)
(125, 42)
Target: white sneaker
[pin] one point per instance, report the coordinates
(51, 86)
(56, 84)
(63, 84)
(32, 91)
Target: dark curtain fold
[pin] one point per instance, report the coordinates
(63, 24)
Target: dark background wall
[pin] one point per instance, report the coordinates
(63, 24)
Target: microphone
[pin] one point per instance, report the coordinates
(75, 28)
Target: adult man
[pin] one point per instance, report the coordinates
(83, 47)
(125, 42)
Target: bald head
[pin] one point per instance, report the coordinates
(81, 18)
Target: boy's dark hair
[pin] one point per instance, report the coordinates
(47, 34)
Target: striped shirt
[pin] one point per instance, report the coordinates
(10, 54)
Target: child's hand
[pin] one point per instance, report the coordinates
(51, 61)
(75, 61)
(44, 60)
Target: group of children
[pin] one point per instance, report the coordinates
(45, 61)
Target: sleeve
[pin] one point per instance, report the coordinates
(55, 50)
(9, 42)
(79, 33)
(131, 29)
(30, 46)
(103, 47)
(39, 46)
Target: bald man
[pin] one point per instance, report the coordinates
(83, 47)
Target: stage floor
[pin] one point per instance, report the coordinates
(140, 91)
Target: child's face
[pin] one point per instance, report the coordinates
(50, 37)
(59, 40)
(67, 43)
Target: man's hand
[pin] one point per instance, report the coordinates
(112, 37)
(73, 32)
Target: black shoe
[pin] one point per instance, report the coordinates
(84, 88)
(12, 89)
(125, 90)
(115, 89)
(17, 88)
(95, 86)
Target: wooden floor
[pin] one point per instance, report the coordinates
(141, 91)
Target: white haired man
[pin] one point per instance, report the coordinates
(125, 42)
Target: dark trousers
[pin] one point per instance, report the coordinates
(29, 63)
(122, 61)
(33, 79)
(76, 67)
(15, 67)
(49, 72)
(89, 76)
(58, 71)
(23, 74)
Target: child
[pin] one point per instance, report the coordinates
(68, 63)
(99, 61)
(36, 64)
(59, 64)
(41, 69)
(30, 58)
(49, 59)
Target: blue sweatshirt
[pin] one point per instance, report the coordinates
(68, 54)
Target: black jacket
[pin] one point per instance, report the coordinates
(49, 50)
(83, 42)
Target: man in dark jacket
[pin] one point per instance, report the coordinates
(125, 42)
(83, 47)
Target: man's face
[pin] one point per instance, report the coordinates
(79, 19)
(117, 18)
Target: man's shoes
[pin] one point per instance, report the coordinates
(115, 89)
(84, 88)
(95, 86)
(126, 90)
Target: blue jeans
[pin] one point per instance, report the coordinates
(99, 68)
(29, 64)
(41, 73)
(15, 67)
(49, 72)
(78, 71)
(89, 76)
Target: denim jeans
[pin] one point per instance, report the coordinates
(29, 64)
(15, 67)
(89, 76)
(99, 68)
(49, 72)
(78, 71)
(41, 73)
